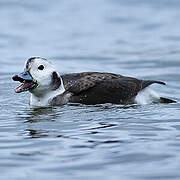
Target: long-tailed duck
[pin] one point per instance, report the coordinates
(47, 87)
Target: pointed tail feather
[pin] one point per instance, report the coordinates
(166, 100)
(162, 99)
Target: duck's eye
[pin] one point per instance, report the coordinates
(41, 67)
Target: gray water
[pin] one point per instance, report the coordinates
(104, 142)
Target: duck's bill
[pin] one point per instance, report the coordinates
(26, 86)
(27, 82)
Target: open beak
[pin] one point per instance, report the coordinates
(27, 81)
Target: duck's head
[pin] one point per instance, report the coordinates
(39, 76)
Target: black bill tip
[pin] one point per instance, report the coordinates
(17, 78)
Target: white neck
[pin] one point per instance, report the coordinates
(45, 100)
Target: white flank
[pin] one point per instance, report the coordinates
(147, 96)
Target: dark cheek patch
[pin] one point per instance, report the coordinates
(56, 81)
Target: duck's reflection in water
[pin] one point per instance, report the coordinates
(40, 121)
(67, 121)
(39, 114)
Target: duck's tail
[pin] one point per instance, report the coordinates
(147, 83)
(148, 96)
(166, 100)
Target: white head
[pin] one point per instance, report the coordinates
(39, 77)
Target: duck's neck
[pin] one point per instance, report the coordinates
(45, 99)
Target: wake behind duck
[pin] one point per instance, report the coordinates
(48, 88)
